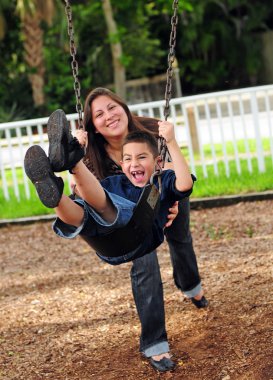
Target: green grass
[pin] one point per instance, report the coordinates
(218, 149)
(243, 183)
(211, 186)
(13, 209)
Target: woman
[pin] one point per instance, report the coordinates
(107, 120)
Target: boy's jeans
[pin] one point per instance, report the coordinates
(147, 284)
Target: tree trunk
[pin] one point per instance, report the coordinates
(33, 45)
(116, 49)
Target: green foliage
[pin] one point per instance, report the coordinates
(12, 114)
(142, 48)
(15, 91)
(219, 44)
(59, 81)
(218, 47)
(148, 55)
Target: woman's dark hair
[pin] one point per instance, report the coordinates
(96, 153)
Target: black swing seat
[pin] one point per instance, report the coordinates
(125, 239)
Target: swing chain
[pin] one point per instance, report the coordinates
(171, 58)
(168, 90)
(74, 62)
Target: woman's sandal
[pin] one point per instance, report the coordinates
(163, 365)
(200, 304)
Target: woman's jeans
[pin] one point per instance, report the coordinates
(147, 284)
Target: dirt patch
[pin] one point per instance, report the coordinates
(66, 315)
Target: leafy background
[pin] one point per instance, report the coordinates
(218, 47)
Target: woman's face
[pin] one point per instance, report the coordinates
(109, 118)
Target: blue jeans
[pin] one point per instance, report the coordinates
(147, 284)
(93, 224)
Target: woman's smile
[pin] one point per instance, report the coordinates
(113, 124)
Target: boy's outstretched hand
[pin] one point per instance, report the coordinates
(166, 130)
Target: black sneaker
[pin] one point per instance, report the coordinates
(38, 169)
(64, 149)
(162, 365)
(200, 304)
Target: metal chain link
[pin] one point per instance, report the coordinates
(171, 58)
(74, 62)
(168, 90)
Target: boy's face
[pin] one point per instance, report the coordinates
(138, 163)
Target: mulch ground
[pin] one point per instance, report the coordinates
(66, 315)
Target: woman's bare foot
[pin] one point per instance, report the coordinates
(199, 296)
(161, 356)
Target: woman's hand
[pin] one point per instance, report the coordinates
(172, 215)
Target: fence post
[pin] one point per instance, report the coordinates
(193, 130)
(259, 143)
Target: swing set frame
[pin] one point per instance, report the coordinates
(126, 239)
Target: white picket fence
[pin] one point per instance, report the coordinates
(200, 120)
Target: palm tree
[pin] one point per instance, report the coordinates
(32, 13)
(116, 49)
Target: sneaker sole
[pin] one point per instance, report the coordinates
(58, 131)
(38, 169)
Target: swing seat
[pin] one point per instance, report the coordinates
(126, 239)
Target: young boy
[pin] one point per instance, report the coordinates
(107, 205)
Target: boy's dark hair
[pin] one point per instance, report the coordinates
(142, 137)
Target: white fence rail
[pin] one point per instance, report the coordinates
(200, 121)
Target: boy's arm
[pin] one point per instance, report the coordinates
(92, 192)
(183, 177)
(89, 188)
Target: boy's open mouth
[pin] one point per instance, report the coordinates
(138, 175)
